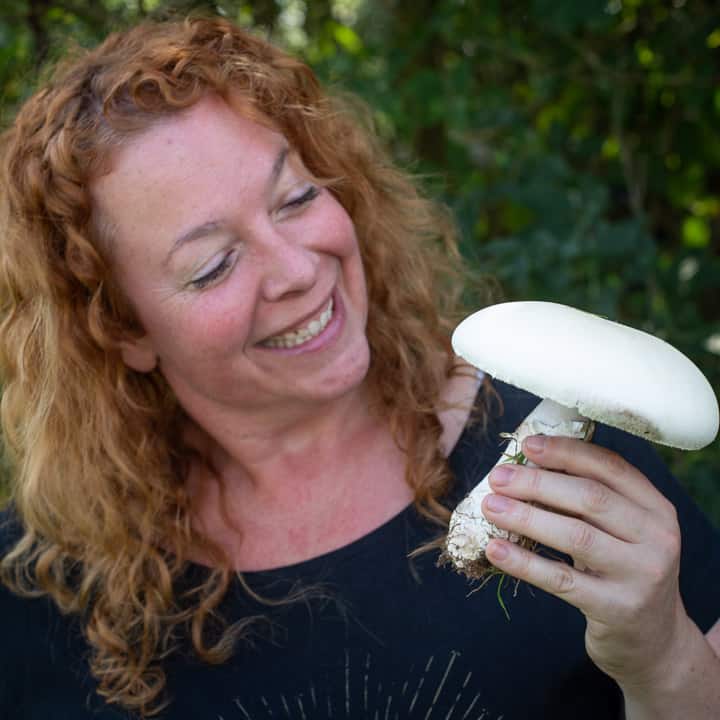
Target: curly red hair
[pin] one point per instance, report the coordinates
(89, 438)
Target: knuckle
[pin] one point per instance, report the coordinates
(657, 574)
(557, 446)
(595, 497)
(637, 606)
(525, 515)
(534, 480)
(582, 537)
(605, 630)
(561, 580)
(625, 607)
(670, 513)
(669, 544)
(524, 564)
(602, 631)
(644, 522)
(613, 464)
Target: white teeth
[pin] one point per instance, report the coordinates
(291, 339)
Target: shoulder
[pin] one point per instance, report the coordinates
(14, 622)
(13, 608)
(24, 621)
(41, 648)
(10, 530)
(499, 408)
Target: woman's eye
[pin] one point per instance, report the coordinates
(308, 196)
(214, 274)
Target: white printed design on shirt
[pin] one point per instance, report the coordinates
(434, 690)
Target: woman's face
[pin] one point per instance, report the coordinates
(245, 275)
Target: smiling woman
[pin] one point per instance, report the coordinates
(188, 260)
(228, 387)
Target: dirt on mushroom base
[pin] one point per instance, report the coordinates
(480, 568)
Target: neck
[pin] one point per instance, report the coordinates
(288, 490)
(293, 485)
(250, 448)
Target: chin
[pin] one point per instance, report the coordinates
(350, 375)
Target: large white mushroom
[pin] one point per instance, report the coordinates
(586, 369)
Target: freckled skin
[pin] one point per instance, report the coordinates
(209, 164)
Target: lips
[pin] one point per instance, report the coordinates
(305, 332)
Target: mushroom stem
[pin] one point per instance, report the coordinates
(469, 531)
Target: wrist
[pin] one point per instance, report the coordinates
(670, 662)
(685, 684)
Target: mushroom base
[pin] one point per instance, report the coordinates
(469, 531)
(479, 567)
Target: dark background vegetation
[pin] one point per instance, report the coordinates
(578, 143)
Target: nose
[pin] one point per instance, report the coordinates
(290, 267)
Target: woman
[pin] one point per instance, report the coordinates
(233, 412)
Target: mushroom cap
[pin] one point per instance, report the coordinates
(610, 372)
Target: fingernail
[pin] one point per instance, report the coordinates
(496, 550)
(502, 475)
(497, 503)
(535, 443)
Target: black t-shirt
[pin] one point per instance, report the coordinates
(389, 637)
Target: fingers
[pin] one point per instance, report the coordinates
(577, 588)
(592, 547)
(620, 531)
(580, 497)
(590, 461)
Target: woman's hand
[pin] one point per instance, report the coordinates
(624, 538)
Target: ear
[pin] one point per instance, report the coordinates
(139, 354)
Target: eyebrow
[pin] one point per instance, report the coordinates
(208, 228)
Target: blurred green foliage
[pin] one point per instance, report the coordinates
(575, 141)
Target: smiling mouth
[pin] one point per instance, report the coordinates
(303, 334)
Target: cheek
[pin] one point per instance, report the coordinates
(333, 228)
(202, 330)
(220, 321)
(351, 257)
(345, 247)
(344, 230)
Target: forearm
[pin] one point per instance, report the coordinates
(689, 688)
